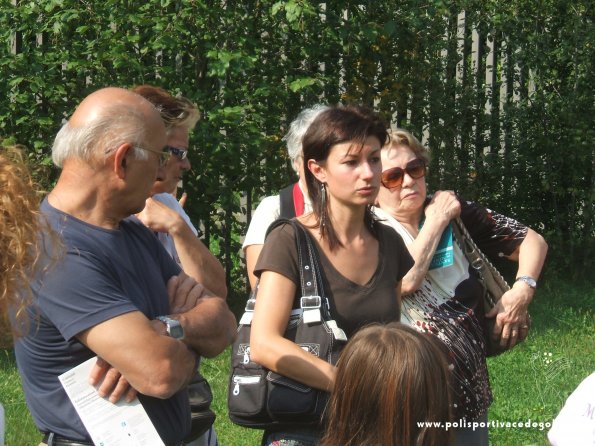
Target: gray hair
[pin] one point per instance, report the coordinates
(117, 124)
(297, 130)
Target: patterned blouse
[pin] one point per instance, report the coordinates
(449, 304)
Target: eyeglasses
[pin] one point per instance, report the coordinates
(392, 178)
(181, 154)
(163, 155)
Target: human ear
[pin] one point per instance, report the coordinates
(317, 170)
(119, 162)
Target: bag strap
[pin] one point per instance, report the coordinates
(286, 198)
(477, 259)
(314, 303)
(298, 200)
(246, 318)
(292, 201)
(306, 245)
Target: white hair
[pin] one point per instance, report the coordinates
(116, 125)
(297, 130)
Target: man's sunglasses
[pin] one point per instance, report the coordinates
(181, 154)
(392, 178)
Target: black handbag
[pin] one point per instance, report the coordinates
(201, 397)
(260, 398)
(494, 285)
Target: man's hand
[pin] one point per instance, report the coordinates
(209, 325)
(183, 199)
(157, 216)
(184, 293)
(111, 382)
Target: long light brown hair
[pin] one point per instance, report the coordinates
(20, 243)
(390, 377)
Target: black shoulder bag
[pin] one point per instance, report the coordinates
(259, 398)
(201, 397)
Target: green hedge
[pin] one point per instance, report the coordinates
(501, 91)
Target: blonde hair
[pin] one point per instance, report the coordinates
(400, 137)
(20, 243)
(176, 111)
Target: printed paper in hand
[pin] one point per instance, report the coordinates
(121, 424)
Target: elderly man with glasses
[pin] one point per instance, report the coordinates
(114, 292)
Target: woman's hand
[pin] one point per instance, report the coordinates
(512, 318)
(443, 207)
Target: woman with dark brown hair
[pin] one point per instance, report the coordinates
(389, 380)
(362, 261)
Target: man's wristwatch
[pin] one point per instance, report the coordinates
(528, 280)
(173, 327)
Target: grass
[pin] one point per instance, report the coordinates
(530, 383)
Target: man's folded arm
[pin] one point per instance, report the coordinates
(209, 327)
(153, 364)
(208, 323)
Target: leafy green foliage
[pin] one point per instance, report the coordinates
(500, 91)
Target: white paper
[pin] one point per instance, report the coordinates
(108, 424)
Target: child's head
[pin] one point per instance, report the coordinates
(390, 378)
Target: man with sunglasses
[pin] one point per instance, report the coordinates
(163, 213)
(113, 292)
(166, 216)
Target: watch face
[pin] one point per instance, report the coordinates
(529, 281)
(175, 330)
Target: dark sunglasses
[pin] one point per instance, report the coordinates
(181, 154)
(392, 178)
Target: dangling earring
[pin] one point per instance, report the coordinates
(322, 205)
(371, 215)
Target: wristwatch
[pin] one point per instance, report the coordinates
(528, 280)
(173, 327)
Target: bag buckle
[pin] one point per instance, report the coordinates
(311, 308)
(246, 318)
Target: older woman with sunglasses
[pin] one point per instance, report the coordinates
(441, 294)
